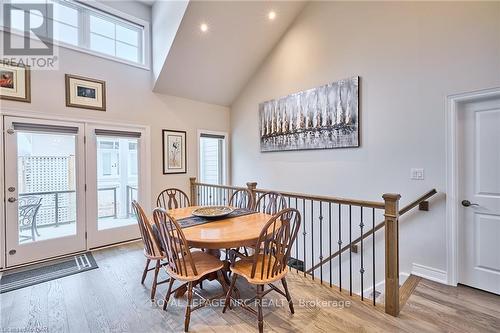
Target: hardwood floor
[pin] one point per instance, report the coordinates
(111, 299)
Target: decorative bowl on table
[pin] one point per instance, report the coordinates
(212, 211)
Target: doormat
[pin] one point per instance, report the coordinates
(47, 271)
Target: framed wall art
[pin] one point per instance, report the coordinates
(86, 93)
(15, 82)
(320, 118)
(174, 152)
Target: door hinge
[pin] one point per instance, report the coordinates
(84, 139)
(85, 187)
(85, 235)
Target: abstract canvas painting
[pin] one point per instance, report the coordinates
(319, 118)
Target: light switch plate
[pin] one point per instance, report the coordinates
(417, 174)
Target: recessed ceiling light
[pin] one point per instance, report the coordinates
(204, 27)
(271, 15)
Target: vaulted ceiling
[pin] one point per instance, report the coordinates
(215, 65)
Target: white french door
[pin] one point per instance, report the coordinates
(115, 174)
(44, 189)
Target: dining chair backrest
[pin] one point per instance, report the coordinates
(172, 198)
(174, 243)
(242, 198)
(275, 243)
(151, 243)
(270, 203)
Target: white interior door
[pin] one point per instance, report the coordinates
(479, 223)
(44, 189)
(115, 177)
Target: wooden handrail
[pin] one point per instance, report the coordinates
(323, 198)
(379, 226)
(326, 199)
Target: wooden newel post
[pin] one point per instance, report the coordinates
(251, 187)
(192, 191)
(392, 253)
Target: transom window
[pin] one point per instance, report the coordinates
(88, 28)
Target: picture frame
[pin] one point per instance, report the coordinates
(15, 82)
(85, 93)
(325, 117)
(174, 152)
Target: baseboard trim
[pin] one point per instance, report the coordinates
(430, 273)
(380, 286)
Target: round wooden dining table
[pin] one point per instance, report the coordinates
(225, 233)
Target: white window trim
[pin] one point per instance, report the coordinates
(225, 154)
(109, 10)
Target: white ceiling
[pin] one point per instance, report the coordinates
(147, 2)
(213, 67)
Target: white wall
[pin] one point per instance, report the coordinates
(166, 19)
(409, 56)
(129, 100)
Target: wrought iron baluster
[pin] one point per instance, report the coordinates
(362, 269)
(350, 250)
(340, 247)
(304, 231)
(330, 238)
(312, 238)
(297, 242)
(373, 254)
(321, 240)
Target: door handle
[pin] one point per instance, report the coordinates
(467, 203)
(11, 199)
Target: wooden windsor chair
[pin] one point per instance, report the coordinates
(271, 203)
(152, 248)
(172, 198)
(270, 262)
(182, 264)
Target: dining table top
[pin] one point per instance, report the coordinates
(224, 233)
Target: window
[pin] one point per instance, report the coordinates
(91, 29)
(212, 159)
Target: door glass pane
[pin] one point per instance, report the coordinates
(46, 186)
(117, 181)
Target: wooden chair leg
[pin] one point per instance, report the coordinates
(228, 295)
(188, 307)
(169, 291)
(260, 291)
(155, 280)
(288, 297)
(145, 271)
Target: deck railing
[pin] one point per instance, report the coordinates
(54, 206)
(327, 245)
